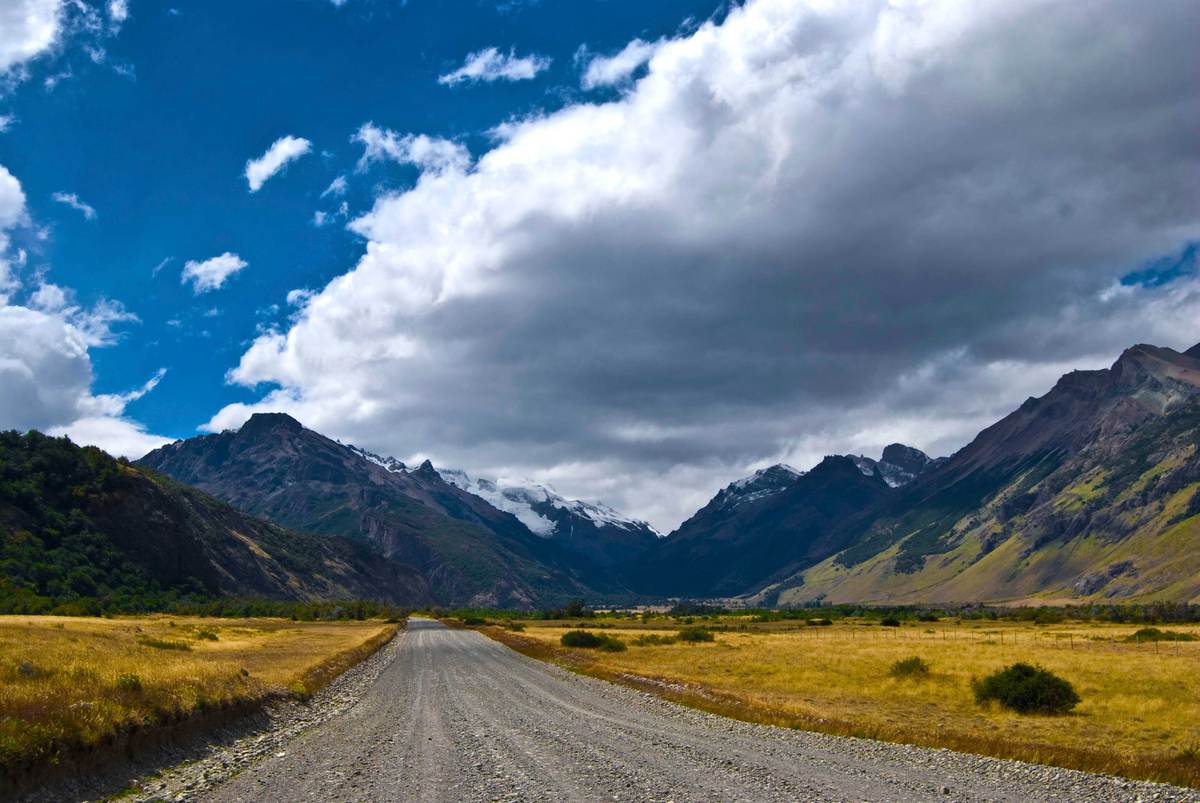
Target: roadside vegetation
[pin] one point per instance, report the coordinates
(1045, 686)
(72, 683)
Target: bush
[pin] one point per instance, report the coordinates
(913, 667)
(206, 635)
(1154, 634)
(928, 617)
(581, 638)
(693, 634)
(515, 627)
(653, 640)
(129, 682)
(819, 622)
(611, 644)
(890, 621)
(1027, 690)
(473, 621)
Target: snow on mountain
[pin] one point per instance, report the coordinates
(759, 485)
(529, 501)
(390, 463)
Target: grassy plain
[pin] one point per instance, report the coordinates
(1139, 716)
(69, 683)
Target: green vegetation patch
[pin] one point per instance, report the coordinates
(694, 634)
(914, 667)
(592, 641)
(1154, 634)
(1027, 689)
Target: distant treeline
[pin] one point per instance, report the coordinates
(1148, 613)
(217, 607)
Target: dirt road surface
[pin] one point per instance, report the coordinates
(457, 716)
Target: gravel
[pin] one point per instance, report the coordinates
(442, 715)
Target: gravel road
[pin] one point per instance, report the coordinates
(456, 716)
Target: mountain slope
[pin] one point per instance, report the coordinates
(756, 529)
(1087, 493)
(594, 533)
(76, 523)
(470, 552)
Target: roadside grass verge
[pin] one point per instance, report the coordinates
(76, 684)
(1139, 715)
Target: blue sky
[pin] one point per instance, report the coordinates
(633, 250)
(156, 140)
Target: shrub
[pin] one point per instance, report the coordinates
(515, 627)
(653, 640)
(913, 667)
(129, 682)
(819, 622)
(160, 644)
(928, 617)
(1154, 634)
(206, 635)
(611, 644)
(473, 621)
(890, 621)
(694, 634)
(1027, 689)
(580, 638)
(589, 640)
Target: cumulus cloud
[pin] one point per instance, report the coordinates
(28, 28)
(75, 202)
(45, 362)
(490, 64)
(118, 12)
(617, 68)
(336, 188)
(810, 228)
(283, 150)
(210, 274)
(432, 154)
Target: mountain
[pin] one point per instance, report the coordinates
(75, 523)
(470, 552)
(1087, 493)
(595, 533)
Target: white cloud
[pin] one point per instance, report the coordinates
(808, 229)
(210, 274)
(72, 200)
(28, 28)
(6, 122)
(118, 12)
(431, 154)
(45, 364)
(283, 150)
(490, 64)
(618, 68)
(336, 188)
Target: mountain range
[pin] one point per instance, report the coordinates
(1087, 493)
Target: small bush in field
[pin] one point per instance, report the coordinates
(515, 627)
(653, 640)
(694, 634)
(129, 682)
(913, 667)
(612, 644)
(160, 644)
(206, 635)
(581, 638)
(890, 621)
(819, 622)
(1027, 689)
(474, 621)
(1154, 634)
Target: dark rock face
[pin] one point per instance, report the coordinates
(470, 552)
(765, 527)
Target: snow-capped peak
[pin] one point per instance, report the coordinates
(759, 485)
(525, 498)
(389, 463)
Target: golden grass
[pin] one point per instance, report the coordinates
(1140, 715)
(69, 683)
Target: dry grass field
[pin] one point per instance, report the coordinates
(1139, 715)
(67, 683)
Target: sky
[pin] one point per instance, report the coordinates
(633, 250)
